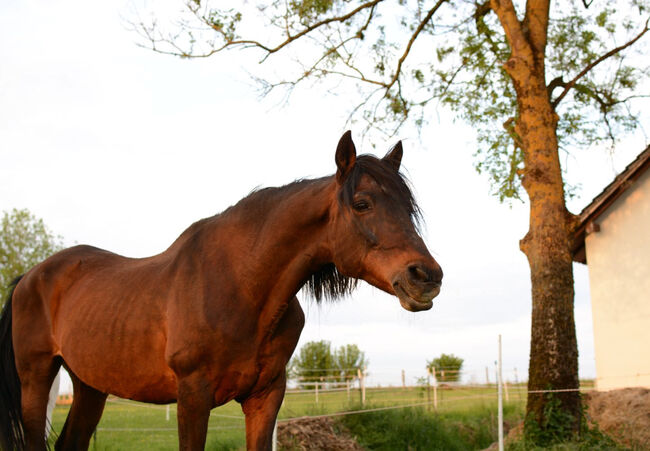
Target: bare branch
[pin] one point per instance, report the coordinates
(414, 36)
(597, 61)
(246, 43)
(557, 82)
(314, 69)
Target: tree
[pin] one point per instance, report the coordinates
(24, 242)
(347, 360)
(447, 367)
(314, 362)
(555, 78)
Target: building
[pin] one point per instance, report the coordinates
(613, 239)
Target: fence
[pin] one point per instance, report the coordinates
(335, 395)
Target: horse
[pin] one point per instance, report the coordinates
(215, 317)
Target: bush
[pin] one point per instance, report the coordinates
(417, 429)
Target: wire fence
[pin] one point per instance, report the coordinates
(334, 395)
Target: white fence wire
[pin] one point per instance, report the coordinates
(442, 388)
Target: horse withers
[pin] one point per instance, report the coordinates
(214, 317)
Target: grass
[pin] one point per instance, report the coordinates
(418, 429)
(465, 419)
(127, 425)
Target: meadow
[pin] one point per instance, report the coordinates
(128, 425)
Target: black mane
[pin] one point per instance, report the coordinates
(329, 284)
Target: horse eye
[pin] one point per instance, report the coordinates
(361, 205)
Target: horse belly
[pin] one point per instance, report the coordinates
(117, 348)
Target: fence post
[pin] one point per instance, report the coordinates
(403, 380)
(487, 377)
(347, 386)
(428, 389)
(316, 392)
(274, 440)
(362, 385)
(167, 413)
(500, 395)
(435, 389)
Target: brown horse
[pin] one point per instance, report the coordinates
(214, 317)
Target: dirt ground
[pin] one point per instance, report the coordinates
(315, 434)
(622, 414)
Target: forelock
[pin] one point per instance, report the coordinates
(393, 183)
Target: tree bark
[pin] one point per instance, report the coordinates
(553, 349)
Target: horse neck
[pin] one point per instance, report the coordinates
(290, 240)
(269, 242)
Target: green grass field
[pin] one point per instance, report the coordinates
(127, 425)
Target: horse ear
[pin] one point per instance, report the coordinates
(394, 156)
(346, 156)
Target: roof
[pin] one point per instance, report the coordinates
(588, 216)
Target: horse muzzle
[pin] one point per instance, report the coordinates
(418, 285)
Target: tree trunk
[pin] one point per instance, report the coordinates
(553, 348)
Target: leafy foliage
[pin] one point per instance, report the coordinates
(447, 367)
(347, 359)
(317, 362)
(417, 429)
(24, 242)
(404, 57)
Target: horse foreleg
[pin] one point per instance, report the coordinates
(195, 399)
(85, 413)
(261, 410)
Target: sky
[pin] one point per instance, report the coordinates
(121, 148)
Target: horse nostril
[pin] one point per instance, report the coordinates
(419, 274)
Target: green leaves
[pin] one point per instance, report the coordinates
(224, 22)
(404, 57)
(316, 362)
(447, 367)
(24, 242)
(308, 10)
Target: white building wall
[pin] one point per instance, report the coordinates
(618, 257)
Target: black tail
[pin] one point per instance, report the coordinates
(11, 421)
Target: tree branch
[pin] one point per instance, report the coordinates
(343, 18)
(229, 42)
(536, 24)
(594, 63)
(414, 36)
(507, 15)
(557, 82)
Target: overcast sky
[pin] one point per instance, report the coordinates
(118, 147)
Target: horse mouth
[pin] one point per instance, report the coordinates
(412, 303)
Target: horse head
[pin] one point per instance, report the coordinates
(374, 228)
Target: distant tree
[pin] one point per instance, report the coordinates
(25, 241)
(347, 359)
(447, 367)
(313, 362)
(317, 362)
